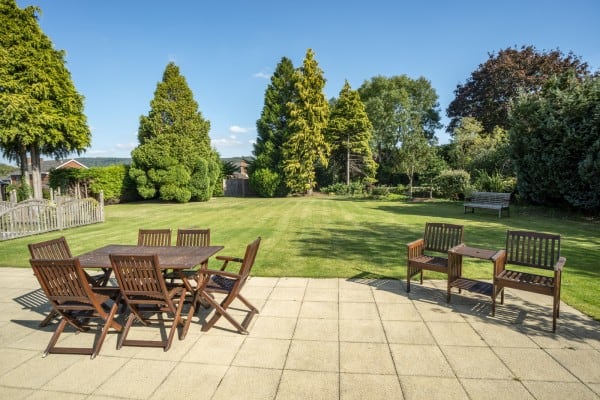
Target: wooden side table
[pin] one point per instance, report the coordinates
(455, 278)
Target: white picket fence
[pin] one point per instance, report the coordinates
(31, 217)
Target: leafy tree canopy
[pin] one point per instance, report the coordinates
(555, 142)
(402, 111)
(487, 94)
(40, 109)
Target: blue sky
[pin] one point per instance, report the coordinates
(118, 50)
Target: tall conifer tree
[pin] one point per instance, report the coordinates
(306, 146)
(174, 160)
(273, 125)
(349, 132)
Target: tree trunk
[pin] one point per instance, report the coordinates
(348, 161)
(24, 166)
(36, 173)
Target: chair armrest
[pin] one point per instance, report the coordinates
(499, 260)
(227, 259)
(560, 264)
(452, 249)
(226, 274)
(415, 244)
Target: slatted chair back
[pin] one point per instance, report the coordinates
(440, 237)
(58, 249)
(54, 249)
(65, 284)
(144, 290)
(154, 237)
(63, 281)
(140, 279)
(193, 237)
(532, 249)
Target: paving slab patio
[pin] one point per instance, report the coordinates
(317, 339)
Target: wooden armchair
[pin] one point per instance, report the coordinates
(431, 251)
(154, 237)
(65, 284)
(145, 292)
(536, 252)
(58, 249)
(230, 284)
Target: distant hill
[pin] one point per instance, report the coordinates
(237, 159)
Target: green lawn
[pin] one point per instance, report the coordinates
(337, 237)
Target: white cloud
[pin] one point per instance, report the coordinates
(238, 129)
(262, 75)
(226, 142)
(126, 146)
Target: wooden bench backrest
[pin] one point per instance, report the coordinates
(532, 249)
(490, 197)
(441, 237)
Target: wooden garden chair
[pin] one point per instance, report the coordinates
(431, 251)
(230, 284)
(65, 284)
(190, 237)
(536, 252)
(154, 237)
(145, 292)
(58, 249)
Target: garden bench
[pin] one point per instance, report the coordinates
(489, 200)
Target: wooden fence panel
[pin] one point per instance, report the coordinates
(32, 217)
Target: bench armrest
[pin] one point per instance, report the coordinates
(499, 260)
(452, 249)
(560, 264)
(415, 248)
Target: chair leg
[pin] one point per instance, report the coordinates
(59, 329)
(494, 294)
(128, 324)
(53, 314)
(220, 311)
(109, 323)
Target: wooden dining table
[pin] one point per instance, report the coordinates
(170, 257)
(176, 258)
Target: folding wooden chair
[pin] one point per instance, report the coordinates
(144, 290)
(154, 237)
(230, 284)
(531, 253)
(58, 249)
(65, 284)
(431, 251)
(189, 237)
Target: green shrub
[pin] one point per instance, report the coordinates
(265, 182)
(23, 191)
(495, 182)
(452, 184)
(341, 189)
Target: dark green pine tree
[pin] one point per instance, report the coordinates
(306, 148)
(273, 126)
(41, 112)
(349, 132)
(174, 161)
